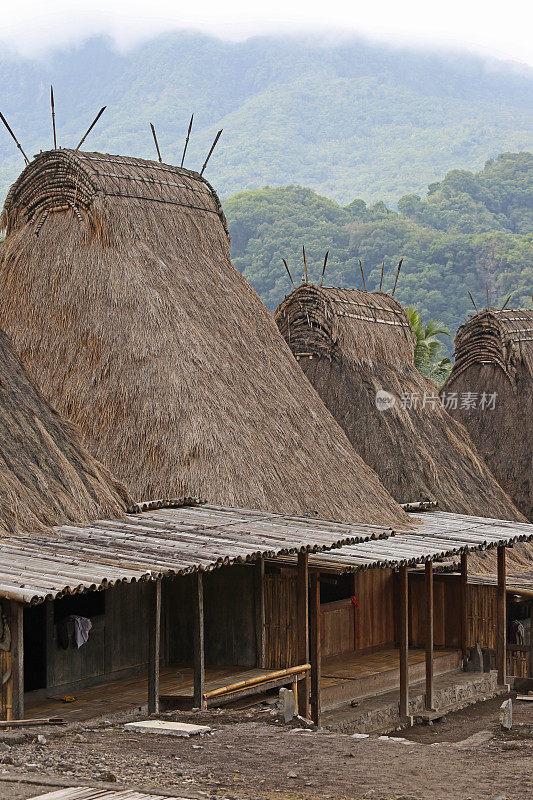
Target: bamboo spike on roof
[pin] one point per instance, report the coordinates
(133, 320)
(187, 140)
(473, 302)
(323, 268)
(357, 349)
(91, 126)
(53, 115)
(156, 143)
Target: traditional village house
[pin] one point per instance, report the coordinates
(494, 370)
(47, 478)
(494, 365)
(167, 360)
(142, 331)
(201, 598)
(357, 349)
(117, 288)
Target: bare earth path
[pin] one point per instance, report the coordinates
(250, 754)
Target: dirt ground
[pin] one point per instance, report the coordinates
(252, 754)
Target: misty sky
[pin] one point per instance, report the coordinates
(501, 30)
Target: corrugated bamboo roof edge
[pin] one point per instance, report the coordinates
(178, 537)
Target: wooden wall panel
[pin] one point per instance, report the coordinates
(374, 616)
(73, 664)
(446, 611)
(281, 636)
(126, 626)
(229, 618)
(481, 601)
(337, 628)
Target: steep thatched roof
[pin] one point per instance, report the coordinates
(117, 287)
(46, 476)
(353, 344)
(494, 355)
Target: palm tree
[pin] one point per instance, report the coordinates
(428, 347)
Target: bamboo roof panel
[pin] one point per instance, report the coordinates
(437, 535)
(160, 542)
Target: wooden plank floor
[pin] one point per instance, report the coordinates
(354, 676)
(128, 693)
(356, 665)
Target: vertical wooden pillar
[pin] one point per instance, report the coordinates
(260, 612)
(501, 619)
(303, 630)
(429, 635)
(314, 646)
(17, 659)
(404, 643)
(530, 672)
(154, 647)
(198, 642)
(464, 605)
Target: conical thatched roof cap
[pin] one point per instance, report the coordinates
(117, 287)
(47, 477)
(356, 347)
(501, 337)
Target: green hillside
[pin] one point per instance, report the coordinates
(469, 230)
(345, 117)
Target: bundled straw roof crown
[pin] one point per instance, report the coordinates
(327, 320)
(117, 287)
(353, 344)
(501, 337)
(47, 477)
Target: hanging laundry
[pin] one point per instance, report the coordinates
(82, 626)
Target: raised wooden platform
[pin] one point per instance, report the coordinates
(176, 690)
(352, 676)
(229, 687)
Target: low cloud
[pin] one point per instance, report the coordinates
(33, 29)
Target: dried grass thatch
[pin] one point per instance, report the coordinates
(117, 287)
(494, 354)
(47, 477)
(353, 344)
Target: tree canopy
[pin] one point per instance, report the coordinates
(470, 230)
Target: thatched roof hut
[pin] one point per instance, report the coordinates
(117, 287)
(494, 356)
(47, 477)
(353, 345)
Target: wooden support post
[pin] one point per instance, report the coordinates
(404, 643)
(429, 635)
(154, 647)
(260, 645)
(464, 605)
(501, 619)
(314, 647)
(303, 630)
(530, 672)
(17, 659)
(198, 636)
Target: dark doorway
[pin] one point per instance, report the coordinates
(35, 647)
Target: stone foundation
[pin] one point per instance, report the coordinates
(380, 714)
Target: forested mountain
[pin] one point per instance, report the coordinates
(343, 116)
(471, 229)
